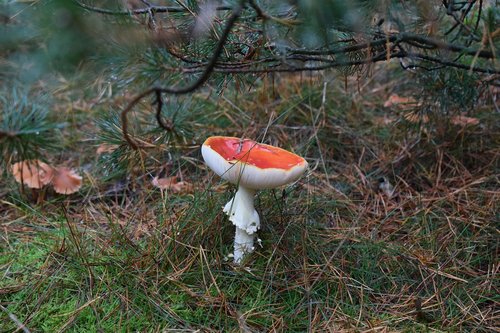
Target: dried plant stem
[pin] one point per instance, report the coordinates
(13, 317)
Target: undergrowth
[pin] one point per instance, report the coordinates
(338, 254)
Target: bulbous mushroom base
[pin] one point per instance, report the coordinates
(243, 215)
(243, 244)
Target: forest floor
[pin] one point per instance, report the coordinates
(339, 252)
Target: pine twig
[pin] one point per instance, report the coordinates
(184, 90)
(146, 10)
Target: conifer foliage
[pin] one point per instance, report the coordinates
(110, 221)
(27, 129)
(172, 47)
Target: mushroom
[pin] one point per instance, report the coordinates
(66, 181)
(33, 173)
(251, 166)
(36, 174)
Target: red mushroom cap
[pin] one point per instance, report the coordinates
(251, 164)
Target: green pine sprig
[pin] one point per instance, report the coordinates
(27, 129)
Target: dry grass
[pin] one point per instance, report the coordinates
(338, 254)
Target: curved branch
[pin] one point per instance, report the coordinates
(159, 119)
(184, 90)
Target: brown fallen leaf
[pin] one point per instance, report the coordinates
(33, 173)
(66, 181)
(401, 102)
(171, 183)
(106, 148)
(464, 121)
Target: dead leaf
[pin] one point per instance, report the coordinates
(464, 121)
(403, 103)
(66, 181)
(33, 173)
(106, 148)
(171, 184)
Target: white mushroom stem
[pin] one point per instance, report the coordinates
(243, 215)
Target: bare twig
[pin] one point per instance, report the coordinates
(159, 106)
(415, 40)
(146, 10)
(274, 65)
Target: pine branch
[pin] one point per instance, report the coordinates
(412, 39)
(184, 90)
(146, 10)
(374, 46)
(279, 68)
